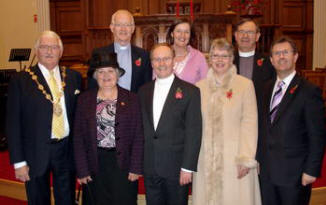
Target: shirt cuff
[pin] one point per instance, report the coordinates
(186, 170)
(20, 164)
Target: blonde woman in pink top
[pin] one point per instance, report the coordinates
(189, 63)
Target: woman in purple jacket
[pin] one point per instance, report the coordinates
(189, 63)
(108, 137)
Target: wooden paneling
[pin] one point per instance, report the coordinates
(87, 22)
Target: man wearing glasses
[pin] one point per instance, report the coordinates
(40, 107)
(135, 61)
(248, 61)
(172, 129)
(292, 136)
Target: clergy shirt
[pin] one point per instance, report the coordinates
(246, 63)
(124, 60)
(46, 75)
(287, 80)
(161, 90)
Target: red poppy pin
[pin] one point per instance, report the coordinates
(138, 62)
(260, 61)
(293, 89)
(229, 94)
(178, 94)
(122, 103)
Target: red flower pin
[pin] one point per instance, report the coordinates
(260, 61)
(138, 62)
(229, 94)
(178, 94)
(293, 89)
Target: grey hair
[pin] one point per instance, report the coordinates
(222, 44)
(95, 74)
(123, 11)
(50, 34)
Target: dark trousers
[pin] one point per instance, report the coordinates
(110, 186)
(38, 188)
(165, 191)
(284, 195)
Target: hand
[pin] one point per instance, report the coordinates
(307, 179)
(21, 173)
(84, 180)
(242, 171)
(185, 177)
(133, 177)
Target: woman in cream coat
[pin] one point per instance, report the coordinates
(227, 169)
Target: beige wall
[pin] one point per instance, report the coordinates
(319, 57)
(17, 28)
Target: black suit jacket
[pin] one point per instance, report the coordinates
(29, 118)
(176, 142)
(140, 73)
(294, 143)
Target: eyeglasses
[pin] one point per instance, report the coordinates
(279, 53)
(242, 32)
(159, 60)
(123, 25)
(47, 47)
(223, 57)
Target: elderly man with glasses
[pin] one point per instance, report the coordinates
(134, 60)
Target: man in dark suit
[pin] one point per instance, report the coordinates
(292, 136)
(134, 60)
(172, 129)
(40, 107)
(249, 62)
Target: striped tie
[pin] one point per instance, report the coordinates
(276, 100)
(57, 120)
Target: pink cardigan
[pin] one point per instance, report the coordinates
(196, 68)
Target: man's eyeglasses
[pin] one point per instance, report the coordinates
(47, 47)
(159, 60)
(123, 25)
(242, 32)
(279, 53)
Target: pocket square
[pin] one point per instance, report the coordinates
(77, 92)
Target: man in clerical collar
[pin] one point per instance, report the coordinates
(249, 62)
(134, 60)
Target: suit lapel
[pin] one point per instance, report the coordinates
(170, 99)
(255, 71)
(149, 102)
(288, 97)
(236, 61)
(41, 79)
(134, 57)
(67, 80)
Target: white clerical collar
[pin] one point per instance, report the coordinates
(164, 81)
(120, 47)
(246, 54)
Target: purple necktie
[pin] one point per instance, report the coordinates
(276, 100)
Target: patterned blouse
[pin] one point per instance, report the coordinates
(105, 117)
